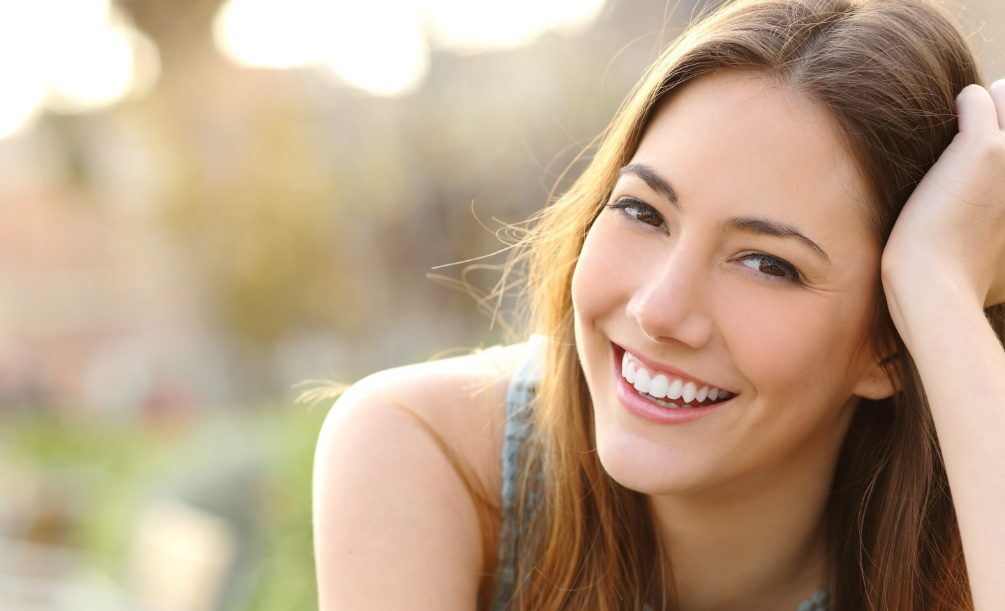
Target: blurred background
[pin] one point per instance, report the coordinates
(205, 203)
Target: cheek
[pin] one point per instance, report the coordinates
(798, 346)
(596, 271)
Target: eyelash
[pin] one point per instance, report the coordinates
(628, 204)
(636, 210)
(789, 272)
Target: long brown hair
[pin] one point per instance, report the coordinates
(888, 72)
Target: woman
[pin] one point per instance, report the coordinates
(766, 377)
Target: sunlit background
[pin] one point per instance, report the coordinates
(205, 203)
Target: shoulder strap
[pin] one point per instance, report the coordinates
(517, 429)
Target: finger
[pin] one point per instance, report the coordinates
(976, 110)
(997, 91)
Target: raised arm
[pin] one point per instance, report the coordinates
(944, 263)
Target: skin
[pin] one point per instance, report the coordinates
(394, 526)
(678, 284)
(944, 262)
(739, 498)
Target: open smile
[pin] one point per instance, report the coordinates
(663, 395)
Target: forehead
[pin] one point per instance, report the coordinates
(751, 146)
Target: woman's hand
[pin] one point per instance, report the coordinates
(950, 235)
(945, 262)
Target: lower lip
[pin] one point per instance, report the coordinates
(643, 408)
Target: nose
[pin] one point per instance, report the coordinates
(670, 303)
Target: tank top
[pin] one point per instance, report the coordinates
(517, 429)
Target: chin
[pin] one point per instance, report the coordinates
(648, 467)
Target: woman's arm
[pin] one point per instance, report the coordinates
(395, 525)
(945, 262)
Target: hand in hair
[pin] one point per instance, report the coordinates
(944, 263)
(950, 235)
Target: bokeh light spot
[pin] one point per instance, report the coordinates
(383, 46)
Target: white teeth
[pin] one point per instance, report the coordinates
(701, 394)
(688, 393)
(673, 393)
(669, 387)
(658, 387)
(642, 380)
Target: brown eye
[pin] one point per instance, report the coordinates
(638, 211)
(772, 266)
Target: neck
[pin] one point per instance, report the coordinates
(755, 544)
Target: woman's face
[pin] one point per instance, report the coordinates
(733, 254)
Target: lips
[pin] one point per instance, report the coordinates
(663, 410)
(670, 389)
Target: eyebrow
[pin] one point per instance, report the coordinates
(654, 180)
(758, 226)
(761, 226)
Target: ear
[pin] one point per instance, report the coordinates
(880, 379)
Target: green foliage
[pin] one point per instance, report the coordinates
(92, 472)
(287, 574)
(101, 473)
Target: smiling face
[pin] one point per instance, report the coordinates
(733, 254)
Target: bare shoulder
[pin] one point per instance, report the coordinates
(458, 400)
(395, 524)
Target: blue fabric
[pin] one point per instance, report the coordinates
(519, 397)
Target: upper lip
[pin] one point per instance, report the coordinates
(664, 368)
